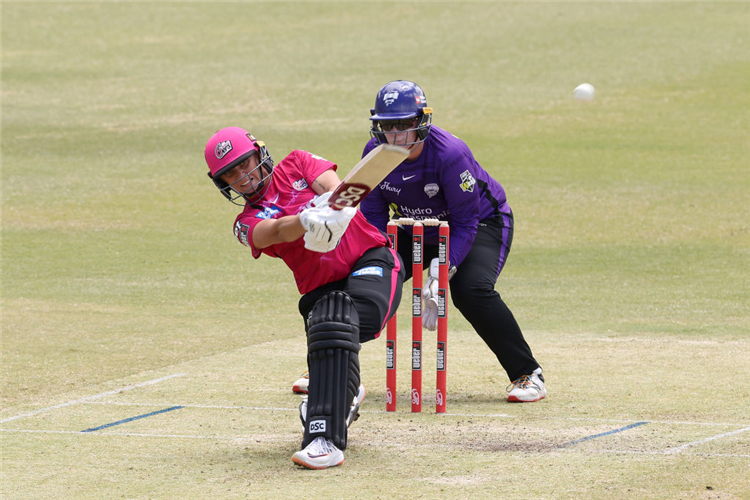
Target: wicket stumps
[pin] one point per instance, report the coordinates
(416, 325)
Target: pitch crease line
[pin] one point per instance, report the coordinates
(706, 440)
(89, 398)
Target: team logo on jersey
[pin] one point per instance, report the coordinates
(300, 184)
(431, 189)
(222, 149)
(389, 97)
(242, 233)
(269, 212)
(369, 271)
(467, 181)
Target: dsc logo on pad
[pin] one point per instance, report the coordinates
(317, 426)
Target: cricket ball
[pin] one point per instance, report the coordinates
(584, 92)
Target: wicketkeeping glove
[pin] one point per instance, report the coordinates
(325, 226)
(430, 296)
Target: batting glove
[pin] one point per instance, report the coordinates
(322, 200)
(319, 246)
(325, 226)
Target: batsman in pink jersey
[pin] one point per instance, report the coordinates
(349, 277)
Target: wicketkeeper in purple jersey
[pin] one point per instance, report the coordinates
(441, 180)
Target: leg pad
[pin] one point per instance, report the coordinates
(333, 361)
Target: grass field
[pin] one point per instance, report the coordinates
(125, 296)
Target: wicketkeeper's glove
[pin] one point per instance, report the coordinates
(430, 296)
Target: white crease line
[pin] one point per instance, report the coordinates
(283, 439)
(219, 407)
(701, 441)
(383, 412)
(655, 452)
(264, 408)
(89, 398)
(37, 431)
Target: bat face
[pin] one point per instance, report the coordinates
(367, 174)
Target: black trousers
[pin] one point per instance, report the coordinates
(472, 291)
(375, 284)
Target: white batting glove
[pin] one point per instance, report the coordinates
(319, 246)
(322, 200)
(325, 226)
(430, 296)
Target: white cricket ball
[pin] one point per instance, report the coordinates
(584, 92)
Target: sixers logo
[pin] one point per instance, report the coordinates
(242, 232)
(222, 149)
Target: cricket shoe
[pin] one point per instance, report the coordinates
(528, 388)
(320, 454)
(301, 384)
(353, 411)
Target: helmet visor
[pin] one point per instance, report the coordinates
(400, 125)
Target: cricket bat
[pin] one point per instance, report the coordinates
(366, 175)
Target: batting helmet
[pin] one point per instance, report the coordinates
(401, 100)
(228, 148)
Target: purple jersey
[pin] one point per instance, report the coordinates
(444, 183)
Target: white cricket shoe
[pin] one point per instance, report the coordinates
(300, 385)
(353, 411)
(320, 454)
(528, 388)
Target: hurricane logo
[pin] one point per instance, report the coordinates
(414, 397)
(390, 97)
(431, 189)
(222, 149)
(439, 397)
(388, 396)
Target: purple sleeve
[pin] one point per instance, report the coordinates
(463, 200)
(375, 207)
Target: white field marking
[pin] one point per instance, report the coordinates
(89, 398)
(659, 340)
(654, 452)
(284, 439)
(220, 407)
(383, 412)
(261, 408)
(185, 436)
(678, 449)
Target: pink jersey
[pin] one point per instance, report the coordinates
(289, 194)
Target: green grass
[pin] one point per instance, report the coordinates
(628, 269)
